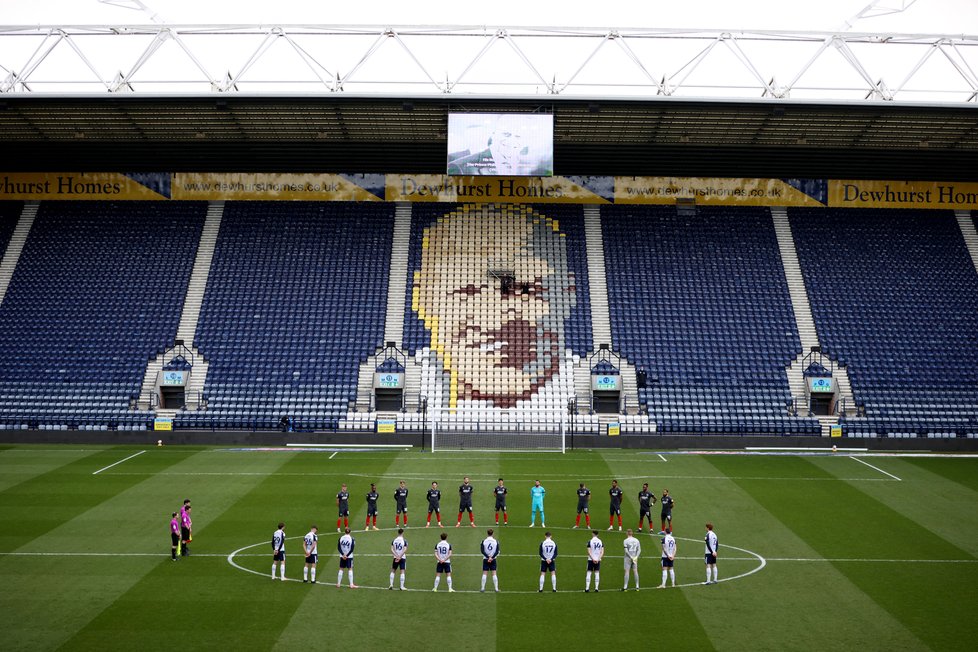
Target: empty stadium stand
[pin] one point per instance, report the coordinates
(96, 293)
(895, 297)
(700, 302)
(295, 302)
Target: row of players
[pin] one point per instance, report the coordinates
(537, 494)
(490, 550)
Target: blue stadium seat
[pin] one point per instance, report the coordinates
(894, 294)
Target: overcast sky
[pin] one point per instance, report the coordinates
(945, 16)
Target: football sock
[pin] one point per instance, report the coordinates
(402, 579)
(636, 578)
(625, 585)
(597, 579)
(173, 552)
(619, 520)
(305, 573)
(587, 520)
(282, 571)
(273, 571)
(483, 587)
(495, 582)
(543, 518)
(351, 577)
(313, 574)
(611, 521)
(339, 578)
(665, 575)
(449, 582)
(338, 522)
(437, 580)
(367, 523)
(708, 574)
(405, 520)
(587, 581)
(716, 573)
(397, 519)
(672, 576)
(429, 519)
(541, 581)
(505, 518)
(438, 516)
(553, 580)
(375, 520)
(346, 522)
(459, 518)
(577, 521)
(392, 578)
(497, 518)
(471, 518)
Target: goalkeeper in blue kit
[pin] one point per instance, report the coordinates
(537, 492)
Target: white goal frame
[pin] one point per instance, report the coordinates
(498, 429)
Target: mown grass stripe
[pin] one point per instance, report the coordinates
(865, 527)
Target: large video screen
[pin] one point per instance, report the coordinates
(501, 144)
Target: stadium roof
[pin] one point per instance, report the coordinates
(606, 136)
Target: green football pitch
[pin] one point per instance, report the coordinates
(817, 552)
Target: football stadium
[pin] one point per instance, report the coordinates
(258, 277)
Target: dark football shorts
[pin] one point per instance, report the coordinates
(548, 565)
(488, 565)
(443, 567)
(399, 564)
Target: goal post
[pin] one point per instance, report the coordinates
(498, 429)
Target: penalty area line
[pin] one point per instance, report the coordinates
(876, 468)
(117, 463)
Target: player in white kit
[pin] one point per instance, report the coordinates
(712, 545)
(443, 564)
(633, 548)
(668, 560)
(345, 547)
(595, 551)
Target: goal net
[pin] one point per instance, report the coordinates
(495, 429)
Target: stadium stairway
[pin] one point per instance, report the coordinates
(600, 317)
(16, 245)
(968, 230)
(186, 331)
(394, 320)
(807, 331)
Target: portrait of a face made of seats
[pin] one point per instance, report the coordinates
(492, 288)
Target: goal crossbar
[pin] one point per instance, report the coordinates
(498, 429)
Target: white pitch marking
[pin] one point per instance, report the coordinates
(662, 458)
(372, 446)
(333, 455)
(555, 478)
(875, 467)
(119, 462)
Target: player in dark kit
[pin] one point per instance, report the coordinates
(583, 499)
(434, 504)
(372, 497)
(666, 503)
(500, 492)
(400, 501)
(343, 505)
(465, 502)
(645, 501)
(615, 508)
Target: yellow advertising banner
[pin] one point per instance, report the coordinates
(710, 191)
(238, 186)
(33, 186)
(485, 190)
(902, 194)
